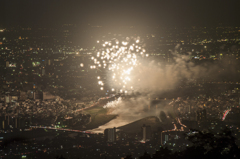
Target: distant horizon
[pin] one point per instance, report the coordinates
(118, 26)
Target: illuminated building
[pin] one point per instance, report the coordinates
(110, 134)
(49, 62)
(7, 99)
(173, 139)
(7, 63)
(146, 133)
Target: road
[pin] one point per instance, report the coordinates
(62, 129)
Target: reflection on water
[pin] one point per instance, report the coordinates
(122, 120)
(117, 122)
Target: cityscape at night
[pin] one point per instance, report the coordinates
(119, 79)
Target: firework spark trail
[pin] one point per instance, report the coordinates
(120, 58)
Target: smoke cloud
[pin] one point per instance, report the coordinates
(152, 78)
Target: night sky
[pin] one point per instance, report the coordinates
(120, 12)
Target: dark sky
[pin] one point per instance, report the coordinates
(120, 12)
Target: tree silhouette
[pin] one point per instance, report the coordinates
(61, 157)
(163, 153)
(204, 145)
(128, 157)
(145, 156)
(210, 145)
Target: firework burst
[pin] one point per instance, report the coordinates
(119, 59)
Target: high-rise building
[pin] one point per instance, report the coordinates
(2, 123)
(49, 62)
(8, 99)
(7, 63)
(175, 140)
(110, 134)
(146, 133)
(43, 71)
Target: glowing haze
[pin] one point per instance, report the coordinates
(130, 69)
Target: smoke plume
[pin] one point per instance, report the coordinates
(152, 78)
